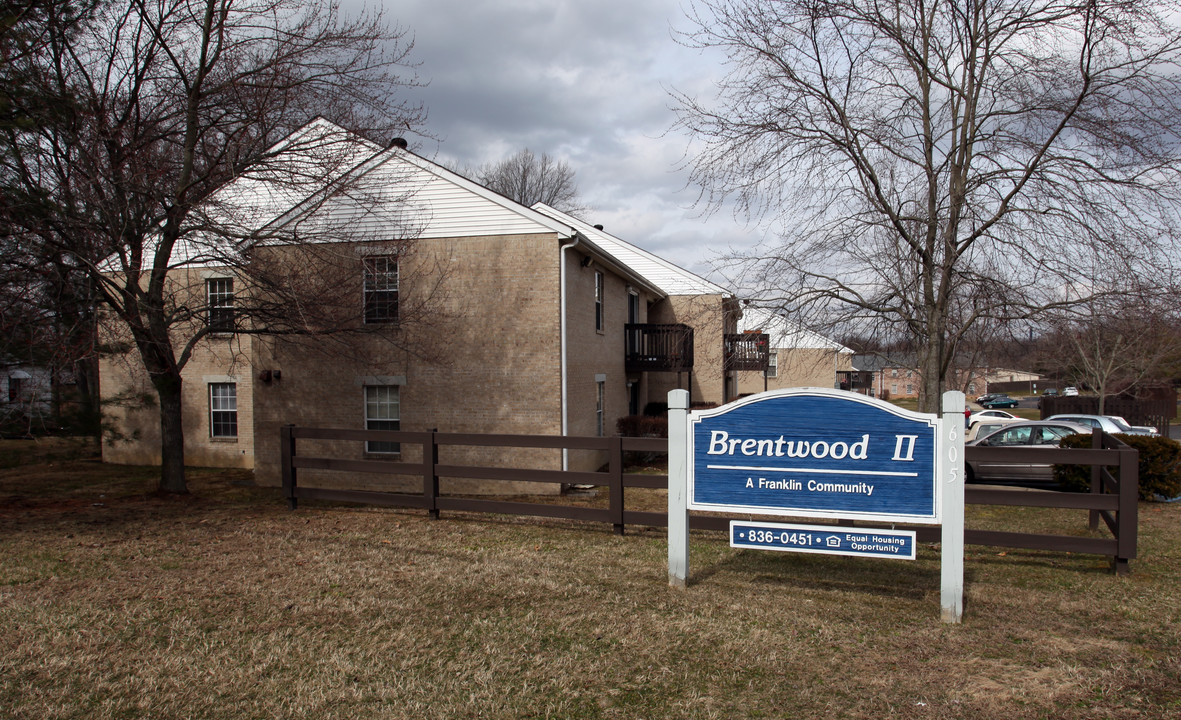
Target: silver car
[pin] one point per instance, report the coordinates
(1030, 434)
(1107, 423)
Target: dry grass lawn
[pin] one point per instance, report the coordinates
(118, 604)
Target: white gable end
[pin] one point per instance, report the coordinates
(416, 198)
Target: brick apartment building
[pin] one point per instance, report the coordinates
(538, 323)
(797, 357)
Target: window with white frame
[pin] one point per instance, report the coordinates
(598, 300)
(772, 364)
(381, 289)
(382, 412)
(600, 399)
(219, 302)
(223, 410)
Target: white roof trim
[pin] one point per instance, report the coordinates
(671, 279)
(785, 333)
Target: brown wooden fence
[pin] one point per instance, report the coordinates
(1113, 498)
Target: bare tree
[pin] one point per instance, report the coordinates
(927, 165)
(171, 102)
(529, 179)
(1111, 344)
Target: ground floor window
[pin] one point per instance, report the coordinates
(382, 412)
(223, 410)
(600, 396)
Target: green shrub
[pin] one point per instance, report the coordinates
(1160, 466)
(642, 426)
(656, 409)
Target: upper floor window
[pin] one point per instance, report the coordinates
(772, 364)
(381, 289)
(219, 302)
(223, 410)
(598, 300)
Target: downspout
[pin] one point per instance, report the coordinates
(563, 341)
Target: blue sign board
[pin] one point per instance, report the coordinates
(859, 542)
(813, 452)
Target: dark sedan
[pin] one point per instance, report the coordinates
(1000, 401)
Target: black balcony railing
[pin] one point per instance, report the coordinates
(747, 351)
(659, 347)
(855, 380)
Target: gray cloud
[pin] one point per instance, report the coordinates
(584, 82)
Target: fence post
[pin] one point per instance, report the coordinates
(615, 482)
(430, 475)
(1096, 477)
(1129, 496)
(287, 463)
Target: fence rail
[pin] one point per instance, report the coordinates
(1112, 500)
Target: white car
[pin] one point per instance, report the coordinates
(989, 414)
(987, 425)
(1107, 423)
(1070, 392)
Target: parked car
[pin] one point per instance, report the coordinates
(986, 397)
(987, 426)
(999, 401)
(1050, 392)
(1107, 423)
(984, 414)
(1028, 434)
(1136, 429)
(1070, 392)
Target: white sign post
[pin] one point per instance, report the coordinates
(678, 488)
(951, 590)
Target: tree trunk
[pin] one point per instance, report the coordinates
(931, 382)
(931, 363)
(172, 439)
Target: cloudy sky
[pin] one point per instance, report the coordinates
(584, 82)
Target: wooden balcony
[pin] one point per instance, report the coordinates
(658, 347)
(747, 351)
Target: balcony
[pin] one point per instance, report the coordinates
(658, 348)
(855, 380)
(747, 351)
